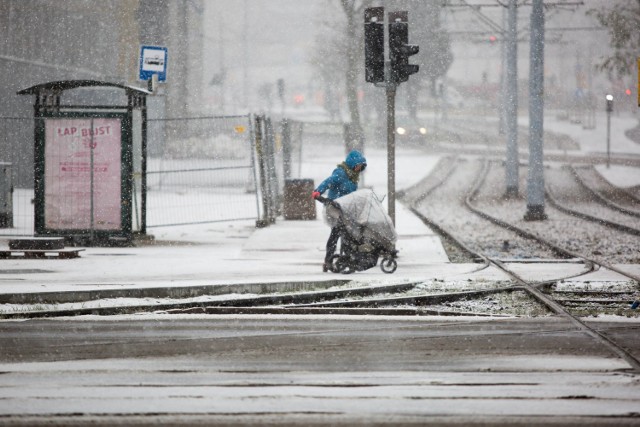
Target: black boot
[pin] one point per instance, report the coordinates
(327, 266)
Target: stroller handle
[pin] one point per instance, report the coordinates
(326, 201)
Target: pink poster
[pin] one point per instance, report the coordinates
(72, 146)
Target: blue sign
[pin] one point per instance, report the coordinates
(153, 60)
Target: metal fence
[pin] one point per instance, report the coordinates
(224, 168)
(200, 170)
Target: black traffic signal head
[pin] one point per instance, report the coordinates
(399, 48)
(374, 44)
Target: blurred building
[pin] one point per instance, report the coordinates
(50, 40)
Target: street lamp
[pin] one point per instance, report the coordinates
(609, 98)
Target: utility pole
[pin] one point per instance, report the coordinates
(535, 181)
(511, 101)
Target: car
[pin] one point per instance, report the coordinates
(411, 131)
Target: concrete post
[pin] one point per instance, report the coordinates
(535, 182)
(511, 102)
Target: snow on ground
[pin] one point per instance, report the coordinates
(620, 176)
(595, 141)
(206, 253)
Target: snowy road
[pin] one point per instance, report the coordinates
(293, 370)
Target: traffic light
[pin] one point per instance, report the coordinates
(399, 49)
(374, 44)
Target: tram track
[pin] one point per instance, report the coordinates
(572, 195)
(535, 289)
(599, 189)
(553, 200)
(597, 236)
(562, 311)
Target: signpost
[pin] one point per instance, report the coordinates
(153, 65)
(609, 99)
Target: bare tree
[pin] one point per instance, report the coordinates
(340, 58)
(340, 53)
(354, 10)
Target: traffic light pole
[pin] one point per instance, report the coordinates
(390, 88)
(388, 74)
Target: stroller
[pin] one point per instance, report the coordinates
(366, 233)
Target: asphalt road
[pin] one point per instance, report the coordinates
(313, 370)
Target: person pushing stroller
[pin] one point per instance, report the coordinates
(343, 181)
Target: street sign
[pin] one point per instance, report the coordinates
(153, 60)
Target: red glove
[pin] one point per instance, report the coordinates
(315, 194)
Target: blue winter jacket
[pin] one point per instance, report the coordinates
(339, 183)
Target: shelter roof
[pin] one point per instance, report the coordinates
(62, 85)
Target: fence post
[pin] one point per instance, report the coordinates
(270, 150)
(263, 221)
(286, 149)
(253, 187)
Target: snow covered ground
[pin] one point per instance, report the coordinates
(594, 141)
(236, 252)
(332, 369)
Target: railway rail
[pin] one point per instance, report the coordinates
(572, 196)
(599, 189)
(544, 291)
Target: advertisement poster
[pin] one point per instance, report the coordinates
(75, 196)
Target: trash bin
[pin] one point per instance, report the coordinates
(298, 204)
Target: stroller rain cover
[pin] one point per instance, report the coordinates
(364, 218)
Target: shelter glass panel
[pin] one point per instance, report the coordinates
(83, 174)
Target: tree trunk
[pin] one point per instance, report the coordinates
(356, 137)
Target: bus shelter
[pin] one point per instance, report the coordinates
(90, 161)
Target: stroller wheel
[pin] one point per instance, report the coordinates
(335, 266)
(347, 270)
(388, 265)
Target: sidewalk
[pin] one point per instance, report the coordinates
(232, 253)
(238, 253)
(302, 244)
